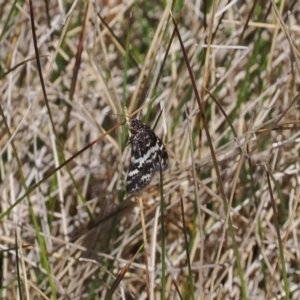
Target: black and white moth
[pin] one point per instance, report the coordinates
(148, 154)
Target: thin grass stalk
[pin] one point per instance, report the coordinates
(163, 237)
(123, 137)
(227, 209)
(140, 199)
(5, 27)
(18, 268)
(277, 226)
(21, 258)
(177, 290)
(190, 273)
(197, 200)
(78, 59)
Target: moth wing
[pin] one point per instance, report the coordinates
(147, 154)
(138, 179)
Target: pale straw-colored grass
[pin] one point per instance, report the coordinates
(74, 231)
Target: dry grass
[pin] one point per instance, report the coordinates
(69, 231)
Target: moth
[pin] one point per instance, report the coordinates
(148, 155)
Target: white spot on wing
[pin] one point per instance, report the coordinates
(146, 177)
(141, 160)
(133, 172)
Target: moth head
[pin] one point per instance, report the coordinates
(135, 125)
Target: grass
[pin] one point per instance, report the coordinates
(226, 79)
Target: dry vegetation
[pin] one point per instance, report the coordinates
(231, 192)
